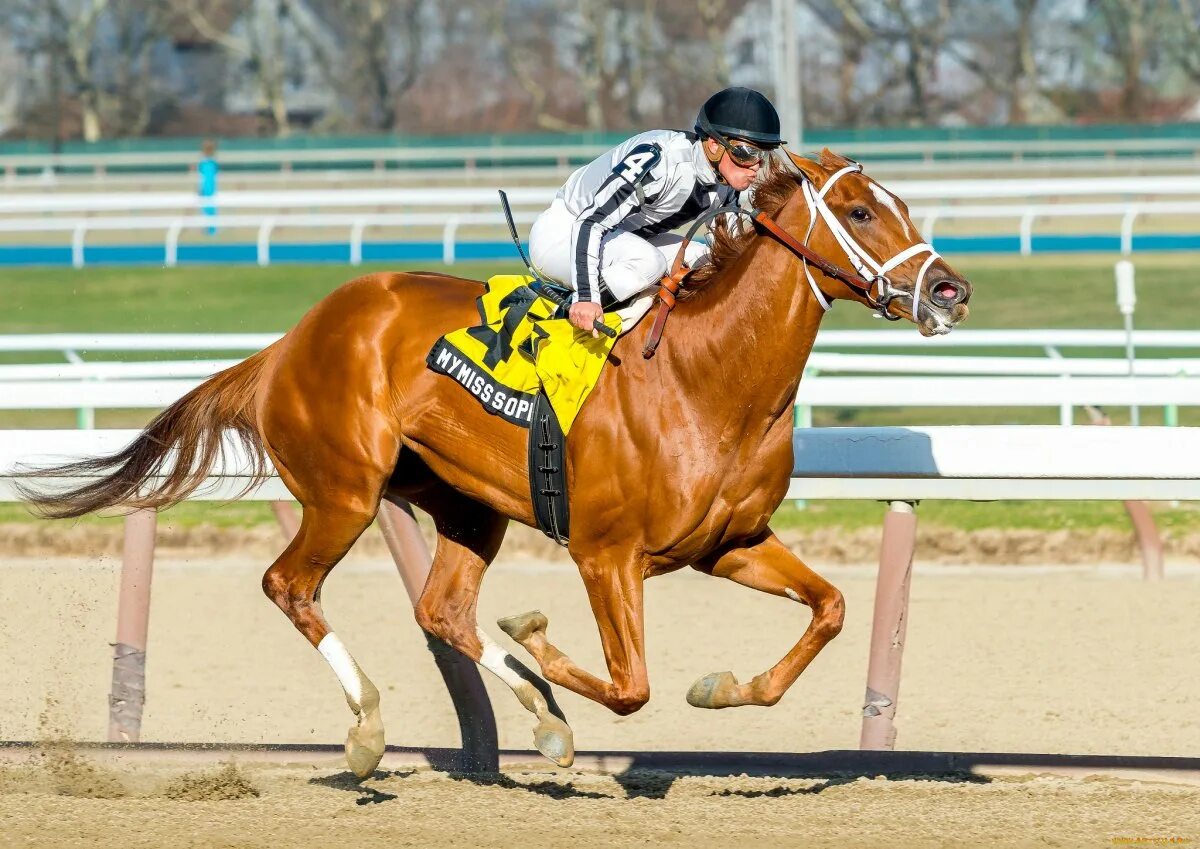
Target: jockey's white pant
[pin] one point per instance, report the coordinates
(628, 265)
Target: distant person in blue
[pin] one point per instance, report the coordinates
(207, 169)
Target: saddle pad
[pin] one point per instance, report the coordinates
(517, 347)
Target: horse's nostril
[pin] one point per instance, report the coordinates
(947, 293)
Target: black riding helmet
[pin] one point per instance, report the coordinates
(740, 113)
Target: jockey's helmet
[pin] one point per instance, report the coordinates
(739, 113)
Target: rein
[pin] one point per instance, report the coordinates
(858, 282)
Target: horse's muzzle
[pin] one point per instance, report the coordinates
(944, 307)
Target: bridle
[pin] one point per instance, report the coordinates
(870, 282)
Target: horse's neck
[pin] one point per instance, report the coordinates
(743, 346)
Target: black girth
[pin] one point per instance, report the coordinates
(548, 471)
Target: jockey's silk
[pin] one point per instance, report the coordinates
(519, 347)
(648, 185)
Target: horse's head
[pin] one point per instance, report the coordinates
(843, 214)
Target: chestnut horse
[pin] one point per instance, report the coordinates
(678, 460)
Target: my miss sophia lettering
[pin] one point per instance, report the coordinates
(516, 407)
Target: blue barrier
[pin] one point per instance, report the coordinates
(339, 252)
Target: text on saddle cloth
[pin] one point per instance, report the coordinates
(519, 347)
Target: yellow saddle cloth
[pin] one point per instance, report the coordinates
(517, 348)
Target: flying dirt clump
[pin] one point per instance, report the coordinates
(228, 783)
(68, 773)
(72, 775)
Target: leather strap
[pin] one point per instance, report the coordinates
(854, 281)
(668, 289)
(669, 285)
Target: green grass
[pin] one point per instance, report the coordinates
(1010, 292)
(1064, 291)
(238, 514)
(971, 516)
(817, 515)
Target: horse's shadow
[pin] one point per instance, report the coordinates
(635, 783)
(368, 795)
(351, 783)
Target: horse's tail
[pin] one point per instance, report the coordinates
(190, 429)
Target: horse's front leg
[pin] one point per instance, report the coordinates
(768, 565)
(614, 588)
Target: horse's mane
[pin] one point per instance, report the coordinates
(726, 243)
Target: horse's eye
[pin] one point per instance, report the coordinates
(860, 214)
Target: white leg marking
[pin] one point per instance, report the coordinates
(885, 197)
(351, 677)
(493, 658)
(792, 594)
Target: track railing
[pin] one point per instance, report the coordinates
(384, 156)
(352, 226)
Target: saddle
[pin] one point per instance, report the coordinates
(527, 364)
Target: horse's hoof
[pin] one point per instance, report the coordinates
(524, 625)
(365, 744)
(554, 739)
(715, 690)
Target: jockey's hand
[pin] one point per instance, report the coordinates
(585, 314)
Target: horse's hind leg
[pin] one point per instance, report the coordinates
(768, 565)
(469, 535)
(294, 583)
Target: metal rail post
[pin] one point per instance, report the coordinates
(1144, 528)
(289, 522)
(891, 622)
(128, 695)
(1148, 540)
(476, 721)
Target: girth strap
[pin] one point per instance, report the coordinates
(548, 472)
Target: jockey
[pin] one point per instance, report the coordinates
(607, 235)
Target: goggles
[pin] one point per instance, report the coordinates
(743, 153)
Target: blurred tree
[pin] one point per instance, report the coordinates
(921, 28)
(995, 42)
(1183, 42)
(63, 33)
(1129, 30)
(260, 44)
(530, 55)
(98, 53)
(137, 26)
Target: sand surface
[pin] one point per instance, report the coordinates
(1067, 660)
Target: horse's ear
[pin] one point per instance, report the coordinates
(835, 161)
(813, 171)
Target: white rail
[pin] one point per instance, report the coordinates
(993, 391)
(820, 363)
(964, 462)
(382, 156)
(465, 198)
(354, 225)
(826, 362)
(908, 338)
(265, 225)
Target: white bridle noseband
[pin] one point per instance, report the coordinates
(863, 263)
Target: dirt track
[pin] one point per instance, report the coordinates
(1027, 660)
